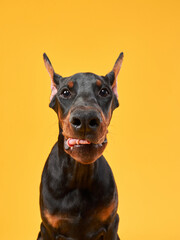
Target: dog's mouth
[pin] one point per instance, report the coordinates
(71, 142)
(83, 150)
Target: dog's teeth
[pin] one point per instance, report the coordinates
(66, 146)
(71, 148)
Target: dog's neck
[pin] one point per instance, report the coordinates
(82, 175)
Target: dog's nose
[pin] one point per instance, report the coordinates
(76, 122)
(85, 121)
(93, 123)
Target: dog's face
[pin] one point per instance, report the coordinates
(84, 104)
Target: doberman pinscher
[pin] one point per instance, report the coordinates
(78, 194)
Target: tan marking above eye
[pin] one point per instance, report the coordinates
(98, 83)
(70, 84)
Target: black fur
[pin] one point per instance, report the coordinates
(79, 201)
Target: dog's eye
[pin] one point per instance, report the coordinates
(65, 93)
(104, 92)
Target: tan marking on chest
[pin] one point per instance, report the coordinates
(106, 212)
(55, 220)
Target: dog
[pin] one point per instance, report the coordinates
(78, 193)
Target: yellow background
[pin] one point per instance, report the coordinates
(143, 148)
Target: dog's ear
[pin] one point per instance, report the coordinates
(54, 77)
(112, 76)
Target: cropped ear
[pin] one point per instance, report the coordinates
(53, 76)
(112, 76)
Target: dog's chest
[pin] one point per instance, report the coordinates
(79, 208)
(78, 199)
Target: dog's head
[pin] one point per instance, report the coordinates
(84, 104)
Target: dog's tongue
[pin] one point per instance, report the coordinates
(71, 142)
